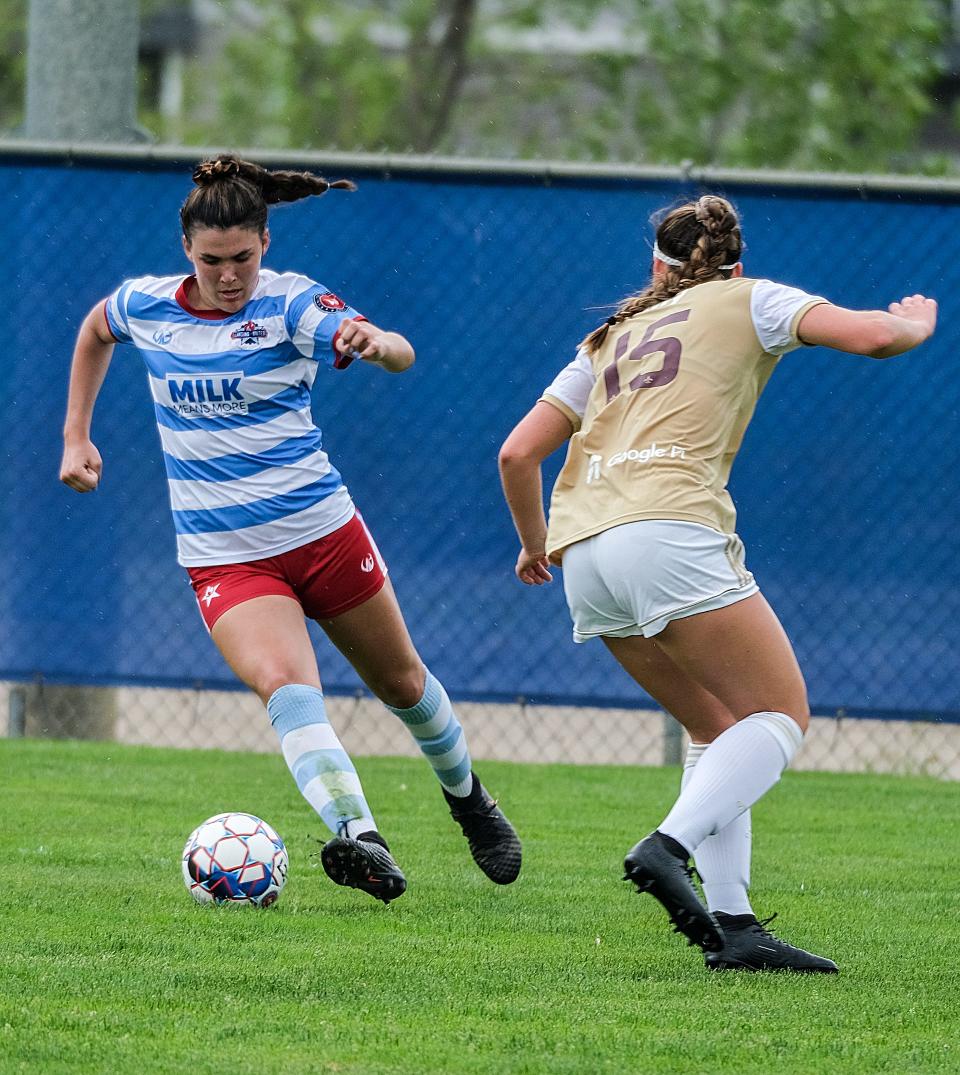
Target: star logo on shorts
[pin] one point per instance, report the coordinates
(210, 593)
(366, 565)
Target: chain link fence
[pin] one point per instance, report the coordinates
(846, 482)
(519, 731)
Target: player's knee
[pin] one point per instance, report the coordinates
(800, 708)
(271, 678)
(796, 709)
(802, 717)
(794, 706)
(404, 688)
(707, 731)
(791, 699)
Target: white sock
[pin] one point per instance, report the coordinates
(723, 861)
(737, 768)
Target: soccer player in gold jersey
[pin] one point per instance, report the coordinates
(654, 408)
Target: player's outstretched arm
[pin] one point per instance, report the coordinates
(537, 435)
(387, 349)
(876, 333)
(82, 466)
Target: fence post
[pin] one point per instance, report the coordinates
(17, 716)
(55, 711)
(82, 70)
(672, 741)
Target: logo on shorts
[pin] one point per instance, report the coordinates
(593, 469)
(210, 594)
(212, 396)
(328, 301)
(249, 333)
(367, 564)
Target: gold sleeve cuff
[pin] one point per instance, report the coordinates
(798, 317)
(572, 416)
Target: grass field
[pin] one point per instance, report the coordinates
(108, 966)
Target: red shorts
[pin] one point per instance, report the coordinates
(328, 576)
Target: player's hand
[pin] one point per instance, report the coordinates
(917, 308)
(533, 568)
(362, 340)
(81, 466)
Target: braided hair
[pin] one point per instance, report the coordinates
(234, 193)
(705, 237)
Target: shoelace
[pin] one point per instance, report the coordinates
(760, 928)
(341, 832)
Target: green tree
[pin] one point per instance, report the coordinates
(832, 84)
(13, 62)
(317, 73)
(812, 84)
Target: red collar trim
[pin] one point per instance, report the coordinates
(207, 315)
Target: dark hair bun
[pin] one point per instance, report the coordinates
(210, 171)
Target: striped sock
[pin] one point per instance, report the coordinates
(434, 725)
(321, 767)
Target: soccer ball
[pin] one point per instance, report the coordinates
(235, 859)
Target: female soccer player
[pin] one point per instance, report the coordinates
(655, 406)
(265, 526)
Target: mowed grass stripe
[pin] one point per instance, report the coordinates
(108, 965)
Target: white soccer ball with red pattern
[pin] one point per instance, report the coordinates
(235, 859)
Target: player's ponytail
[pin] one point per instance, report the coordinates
(697, 242)
(234, 193)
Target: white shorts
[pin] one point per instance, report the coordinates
(635, 578)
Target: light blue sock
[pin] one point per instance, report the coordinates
(321, 767)
(434, 725)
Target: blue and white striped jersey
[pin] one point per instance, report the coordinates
(247, 475)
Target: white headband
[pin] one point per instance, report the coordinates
(667, 260)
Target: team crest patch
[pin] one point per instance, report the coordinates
(329, 301)
(249, 334)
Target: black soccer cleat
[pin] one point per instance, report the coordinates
(493, 841)
(364, 863)
(749, 946)
(660, 866)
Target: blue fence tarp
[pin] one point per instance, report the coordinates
(846, 484)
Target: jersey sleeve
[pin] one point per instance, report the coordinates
(115, 309)
(777, 310)
(570, 389)
(314, 316)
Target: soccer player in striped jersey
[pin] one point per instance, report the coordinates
(265, 526)
(654, 407)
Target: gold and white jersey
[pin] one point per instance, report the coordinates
(661, 408)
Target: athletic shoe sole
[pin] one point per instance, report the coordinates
(651, 868)
(348, 863)
(736, 965)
